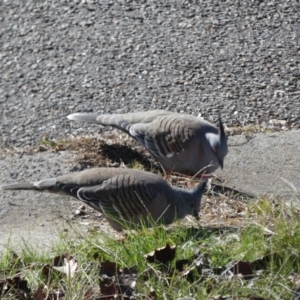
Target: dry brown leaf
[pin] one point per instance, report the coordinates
(58, 260)
(162, 255)
(116, 283)
(46, 270)
(16, 287)
(69, 267)
(39, 294)
(243, 268)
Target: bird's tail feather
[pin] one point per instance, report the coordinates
(84, 117)
(115, 120)
(46, 184)
(19, 186)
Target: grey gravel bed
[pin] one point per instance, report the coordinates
(239, 58)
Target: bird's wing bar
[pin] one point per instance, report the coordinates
(122, 197)
(164, 137)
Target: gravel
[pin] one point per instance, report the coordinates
(239, 58)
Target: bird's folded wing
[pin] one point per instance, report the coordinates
(68, 188)
(164, 137)
(122, 197)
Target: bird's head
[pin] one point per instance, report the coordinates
(196, 196)
(218, 143)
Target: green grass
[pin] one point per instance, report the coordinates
(271, 243)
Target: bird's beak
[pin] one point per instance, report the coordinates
(221, 163)
(196, 215)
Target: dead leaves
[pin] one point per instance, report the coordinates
(17, 286)
(64, 263)
(117, 283)
(199, 268)
(114, 282)
(14, 286)
(111, 150)
(69, 267)
(45, 294)
(203, 265)
(162, 255)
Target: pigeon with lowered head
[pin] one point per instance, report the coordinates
(126, 197)
(179, 142)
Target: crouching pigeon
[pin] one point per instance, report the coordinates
(126, 197)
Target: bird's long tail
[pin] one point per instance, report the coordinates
(115, 120)
(19, 186)
(84, 117)
(46, 184)
(118, 120)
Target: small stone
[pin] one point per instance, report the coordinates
(81, 211)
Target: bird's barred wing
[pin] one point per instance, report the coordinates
(121, 197)
(164, 137)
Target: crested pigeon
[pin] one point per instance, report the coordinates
(125, 197)
(179, 142)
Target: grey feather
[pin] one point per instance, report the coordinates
(179, 142)
(126, 197)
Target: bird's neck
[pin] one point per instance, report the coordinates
(181, 202)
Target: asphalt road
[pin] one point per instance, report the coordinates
(237, 58)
